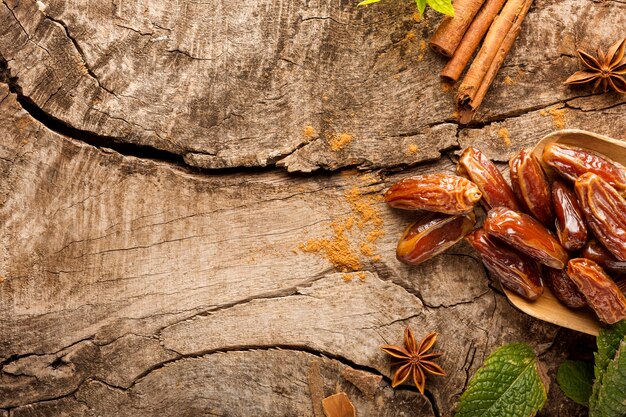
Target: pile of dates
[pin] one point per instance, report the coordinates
(569, 234)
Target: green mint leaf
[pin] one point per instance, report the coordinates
(509, 384)
(608, 342)
(611, 397)
(421, 6)
(364, 2)
(442, 6)
(575, 379)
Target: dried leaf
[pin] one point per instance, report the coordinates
(338, 405)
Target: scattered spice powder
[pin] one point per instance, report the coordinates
(362, 276)
(374, 235)
(309, 132)
(422, 53)
(410, 35)
(347, 277)
(417, 17)
(367, 213)
(366, 249)
(503, 133)
(338, 142)
(337, 249)
(412, 149)
(558, 116)
(446, 88)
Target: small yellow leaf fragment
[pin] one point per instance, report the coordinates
(508, 80)
(338, 405)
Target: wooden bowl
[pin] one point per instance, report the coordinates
(547, 307)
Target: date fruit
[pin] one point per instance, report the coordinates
(605, 212)
(478, 168)
(564, 288)
(432, 234)
(516, 272)
(601, 293)
(570, 224)
(599, 254)
(531, 186)
(441, 193)
(527, 235)
(572, 162)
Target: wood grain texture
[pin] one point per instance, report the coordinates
(139, 285)
(229, 84)
(125, 279)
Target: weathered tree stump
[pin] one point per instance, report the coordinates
(158, 255)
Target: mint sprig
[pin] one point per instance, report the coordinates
(576, 379)
(611, 393)
(607, 397)
(509, 384)
(441, 6)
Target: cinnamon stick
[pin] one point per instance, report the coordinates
(505, 27)
(451, 30)
(474, 34)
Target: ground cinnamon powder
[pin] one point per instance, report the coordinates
(336, 249)
(337, 142)
(348, 245)
(558, 117)
(503, 133)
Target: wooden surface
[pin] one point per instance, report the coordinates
(159, 256)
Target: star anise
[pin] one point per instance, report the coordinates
(606, 71)
(413, 360)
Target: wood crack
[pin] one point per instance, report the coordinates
(80, 51)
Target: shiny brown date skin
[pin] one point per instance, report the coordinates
(432, 234)
(572, 162)
(570, 224)
(564, 288)
(599, 254)
(441, 193)
(478, 168)
(601, 293)
(531, 186)
(526, 235)
(605, 212)
(516, 272)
